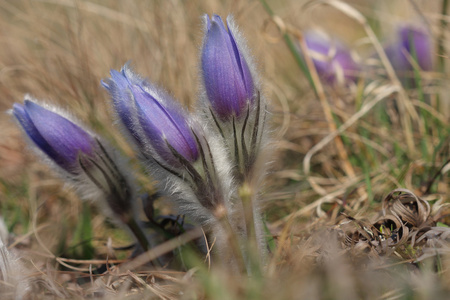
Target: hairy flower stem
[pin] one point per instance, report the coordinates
(235, 252)
(253, 253)
(246, 196)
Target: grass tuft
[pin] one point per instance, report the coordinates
(356, 205)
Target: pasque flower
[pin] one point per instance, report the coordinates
(332, 59)
(410, 44)
(227, 78)
(57, 137)
(236, 111)
(85, 161)
(156, 122)
(171, 143)
(177, 151)
(232, 93)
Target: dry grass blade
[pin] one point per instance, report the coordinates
(365, 109)
(404, 203)
(101, 11)
(161, 249)
(357, 205)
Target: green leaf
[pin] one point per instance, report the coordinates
(439, 224)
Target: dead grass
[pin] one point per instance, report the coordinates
(342, 230)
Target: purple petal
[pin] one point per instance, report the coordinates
(162, 123)
(336, 57)
(123, 101)
(122, 97)
(58, 137)
(243, 67)
(33, 133)
(411, 43)
(151, 116)
(226, 75)
(416, 43)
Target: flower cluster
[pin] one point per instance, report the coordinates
(202, 160)
(409, 49)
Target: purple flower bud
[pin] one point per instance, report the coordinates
(227, 78)
(151, 116)
(411, 43)
(60, 139)
(123, 101)
(331, 58)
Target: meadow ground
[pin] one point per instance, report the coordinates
(355, 203)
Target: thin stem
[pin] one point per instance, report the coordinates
(246, 195)
(138, 233)
(292, 48)
(441, 47)
(235, 251)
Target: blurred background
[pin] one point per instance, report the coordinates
(58, 51)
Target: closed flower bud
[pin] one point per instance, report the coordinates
(85, 161)
(227, 78)
(410, 44)
(232, 98)
(155, 120)
(332, 60)
(93, 168)
(58, 138)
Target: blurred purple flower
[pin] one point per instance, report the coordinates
(151, 116)
(227, 77)
(331, 58)
(60, 139)
(411, 43)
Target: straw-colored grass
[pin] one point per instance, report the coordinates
(339, 232)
